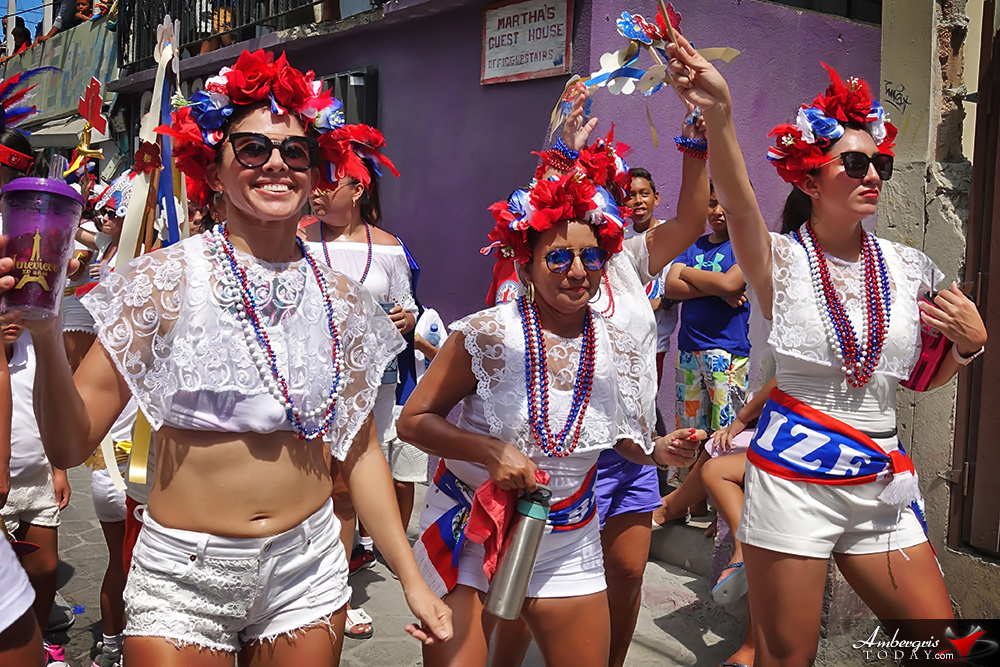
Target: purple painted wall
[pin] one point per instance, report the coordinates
(461, 146)
(778, 69)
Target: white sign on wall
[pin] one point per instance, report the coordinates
(526, 39)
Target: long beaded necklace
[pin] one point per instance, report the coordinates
(326, 254)
(858, 360)
(609, 311)
(260, 347)
(536, 378)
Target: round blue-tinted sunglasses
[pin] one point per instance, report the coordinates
(559, 260)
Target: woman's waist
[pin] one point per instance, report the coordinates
(255, 484)
(567, 475)
(319, 529)
(870, 409)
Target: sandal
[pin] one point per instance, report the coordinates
(733, 586)
(733, 664)
(355, 618)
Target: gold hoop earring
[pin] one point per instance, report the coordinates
(597, 296)
(531, 292)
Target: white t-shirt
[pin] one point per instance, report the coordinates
(27, 456)
(666, 320)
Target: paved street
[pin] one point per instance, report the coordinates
(679, 624)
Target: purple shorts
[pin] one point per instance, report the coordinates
(624, 487)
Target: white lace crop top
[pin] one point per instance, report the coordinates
(169, 324)
(807, 367)
(388, 276)
(618, 409)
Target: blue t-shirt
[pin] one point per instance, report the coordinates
(708, 322)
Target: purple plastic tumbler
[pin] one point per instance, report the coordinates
(40, 217)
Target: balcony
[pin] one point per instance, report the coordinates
(206, 25)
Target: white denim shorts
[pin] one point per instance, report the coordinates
(109, 502)
(221, 593)
(31, 500)
(815, 520)
(18, 595)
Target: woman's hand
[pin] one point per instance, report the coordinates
(956, 316)
(695, 79)
(575, 132)
(403, 320)
(724, 437)
(434, 616)
(680, 448)
(510, 469)
(60, 484)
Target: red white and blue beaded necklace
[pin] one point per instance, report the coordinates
(326, 254)
(536, 379)
(858, 360)
(257, 340)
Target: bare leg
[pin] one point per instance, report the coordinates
(159, 652)
(745, 653)
(570, 632)
(689, 493)
(316, 645)
(41, 566)
(469, 644)
(785, 602)
(625, 539)
(113, 586)
(510, 643)
(723, 480)
(898, 589)
(77, 345)
(21, 643)
(404, 499)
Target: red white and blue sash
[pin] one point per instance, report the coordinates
(797, 442)
(578, 510)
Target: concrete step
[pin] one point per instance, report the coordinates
(685, 546)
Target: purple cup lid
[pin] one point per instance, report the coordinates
(46, 185)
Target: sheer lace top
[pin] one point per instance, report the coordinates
(495, 340)
(807, 367)
(388, 276)
(169, 324)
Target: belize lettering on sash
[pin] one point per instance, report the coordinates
(797, 442)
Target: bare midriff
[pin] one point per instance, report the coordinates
(237, 484)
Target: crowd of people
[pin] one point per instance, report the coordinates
(276, 359)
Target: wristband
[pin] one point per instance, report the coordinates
(697, 148)
(556, 160)
(965, 361)
(561, 146)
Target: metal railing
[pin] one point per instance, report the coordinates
(205, 25)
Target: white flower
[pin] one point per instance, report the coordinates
(802, 122)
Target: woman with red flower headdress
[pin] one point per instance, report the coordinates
(546, 382)
(245, 352)
(844, 310)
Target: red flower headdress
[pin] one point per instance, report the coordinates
(551, 201)
(799, 147)
(197, 126)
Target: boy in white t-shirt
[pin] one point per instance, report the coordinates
(37, 491)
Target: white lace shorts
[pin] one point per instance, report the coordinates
(814, 520)
(406, 462)
(31, 500)
(221, 593)
(109, 502)
(18, 595)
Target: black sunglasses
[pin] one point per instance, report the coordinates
(253, 150)
(561, 259)
(856, 164)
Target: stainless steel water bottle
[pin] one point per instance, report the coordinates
(510, 581)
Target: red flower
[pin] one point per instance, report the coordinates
(197, 191)
(675, 21)
(250, 78)
(568, 198)
(511, 243)
(191, 154)
(796, 157)
(147, 158)
(890, 139)
(610, 235)
(847, 102)
(290, 87)
(335, 148)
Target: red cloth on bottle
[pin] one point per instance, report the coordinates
(490, 517)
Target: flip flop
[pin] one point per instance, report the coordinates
(733, 586)
(356, 617)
